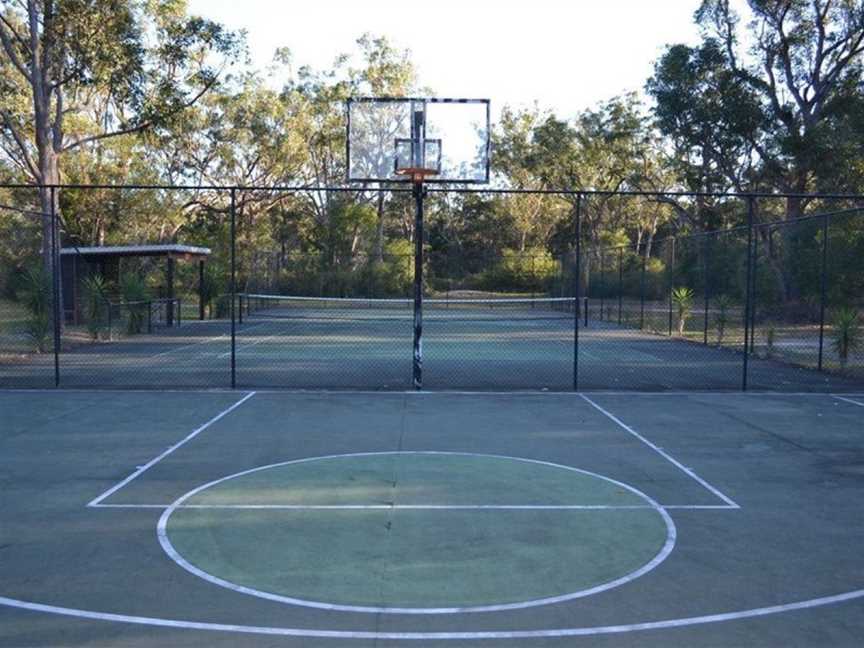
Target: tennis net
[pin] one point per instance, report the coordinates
(256, 307)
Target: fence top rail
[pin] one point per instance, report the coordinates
(389, 188)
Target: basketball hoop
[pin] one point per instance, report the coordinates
(417, 174)
(400, 139)
(404, 139)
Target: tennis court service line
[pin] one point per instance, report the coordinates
(241, 347)
(246, 329)
(218, 338)
(849, 400)
(661, 452)
(167, 452)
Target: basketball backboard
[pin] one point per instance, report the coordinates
(393, 139)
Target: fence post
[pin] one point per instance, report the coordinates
(55, 285)
(602, 284)
(751, 200)
(233, 287)
(671, 280)
(823, 289)
(201, 290)
(533, 280)
(620, 283)
(642, 295)
(707, 286)
(577, 273)
(754, 294)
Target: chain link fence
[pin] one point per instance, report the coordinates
(232, 291)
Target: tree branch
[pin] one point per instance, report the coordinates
(19, 140)
(142, 126)
(10, 49)
(786, 59)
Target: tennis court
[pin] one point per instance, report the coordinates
(468, 344)
(374, 519)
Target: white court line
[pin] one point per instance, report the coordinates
(701, 507)
(167, 452)
(241, 347)
(660, 451)
(665, 624)
(219, 338)
(189, 346)
(206, 340)
(849, 400)
(424, 507)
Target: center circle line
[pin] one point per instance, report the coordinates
(173, 554)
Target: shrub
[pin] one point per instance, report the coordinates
(848, 335)
(392, 277)
(770, 341)
(520, 271)
(723, 304)
(209, 290)
(655, 279)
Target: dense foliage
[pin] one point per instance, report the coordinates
(139, 92)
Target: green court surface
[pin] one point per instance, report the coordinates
(362, 353)
(442, 530)
(430, 519)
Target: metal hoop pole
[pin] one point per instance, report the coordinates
(417, 375)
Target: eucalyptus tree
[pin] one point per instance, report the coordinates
(137, 64)
(384, 71)
(319, 97)
(533, 215)
(774, 104)
(607, 149)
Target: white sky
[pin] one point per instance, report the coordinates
(567, 55)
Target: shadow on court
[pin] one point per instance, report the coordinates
(271, 519)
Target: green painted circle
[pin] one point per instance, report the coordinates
(386, 557)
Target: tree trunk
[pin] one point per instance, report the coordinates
(51, 241)
(649, 243)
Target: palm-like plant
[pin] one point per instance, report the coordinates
(683, 300)
(96, 304)
(135, 298)
(35, 296)
(848, 334)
